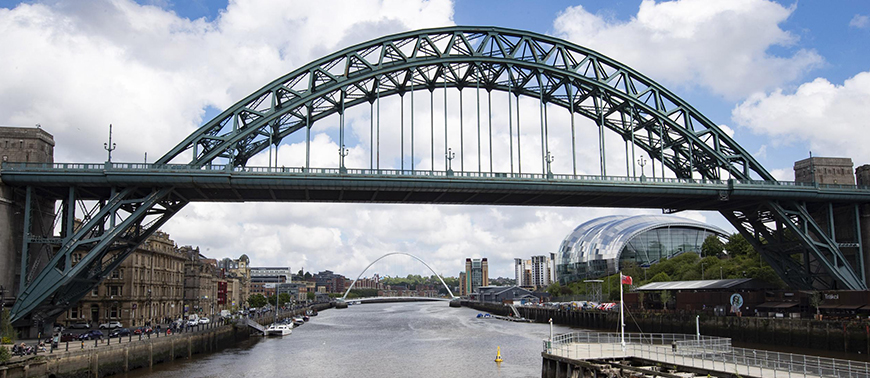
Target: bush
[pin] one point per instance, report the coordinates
(5, 355)
(6, 340)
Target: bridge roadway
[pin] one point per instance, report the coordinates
(218, 183)
(397, 299)
(712, 354)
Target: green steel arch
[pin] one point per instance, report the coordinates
(556, 71)
(796, 236)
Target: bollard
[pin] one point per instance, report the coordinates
(83, 344)
(130, 337)
(140, 337)
(97, 340)
(67, 346)
(109, 341)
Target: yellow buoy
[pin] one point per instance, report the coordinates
(498, 354)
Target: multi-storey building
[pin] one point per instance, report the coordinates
(200, 283)
(146, 287)
(523, 272)
(273, 271)
(476, 275)
(541, 271)
(334, 283)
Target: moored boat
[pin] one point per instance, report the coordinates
(279, 329)
(298, 321)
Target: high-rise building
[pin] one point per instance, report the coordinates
(476, 275)
(523, 272)
(541, 275)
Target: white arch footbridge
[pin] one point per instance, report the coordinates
(398, 253)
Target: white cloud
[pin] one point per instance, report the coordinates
(79, 66)
(830, 118)
(722, 46)
(860, 21)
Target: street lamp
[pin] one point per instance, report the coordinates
(342, 153)
(702, 270)
(109, 146)
(450, 155)
(549, 158)
(641, 162)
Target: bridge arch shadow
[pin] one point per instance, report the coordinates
(343, 297)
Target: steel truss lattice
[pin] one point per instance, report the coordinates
(801, 245)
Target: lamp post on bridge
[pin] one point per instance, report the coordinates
(549, 158)
(342, 153)
(450, 155)
(109, 146)
(641, 162)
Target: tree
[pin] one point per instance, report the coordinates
(737, 245)
(712, 246)
(257, 300)
(7, 332)
(555, 289)
(311, 296)
(307, 276)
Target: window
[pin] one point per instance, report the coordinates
(114, 290)
(116, 274)
(95, 292)
(73, 312)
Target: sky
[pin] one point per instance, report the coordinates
(784, 78)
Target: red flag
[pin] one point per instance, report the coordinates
(626, 280)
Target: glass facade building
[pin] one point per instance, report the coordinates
(601, 246)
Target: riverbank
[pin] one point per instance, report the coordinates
(109, 357)
(838, 339)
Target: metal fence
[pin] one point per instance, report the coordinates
(713, 353)
(646, 180)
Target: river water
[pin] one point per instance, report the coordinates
(413, 339)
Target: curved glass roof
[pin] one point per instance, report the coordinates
(604, 238)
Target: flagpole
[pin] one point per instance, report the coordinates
(621, 314)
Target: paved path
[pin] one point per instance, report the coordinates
(727, 362)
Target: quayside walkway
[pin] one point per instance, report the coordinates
(681, 355)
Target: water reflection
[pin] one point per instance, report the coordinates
(424, 339)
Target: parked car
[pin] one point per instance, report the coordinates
(91, 335)
(120, 332)
(82, 325)
(67, 336)
(193, 322)
(204, 320)
(143, 331)
(111, 325)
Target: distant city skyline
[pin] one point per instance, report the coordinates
(783, 77)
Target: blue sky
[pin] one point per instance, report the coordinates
(786, 78)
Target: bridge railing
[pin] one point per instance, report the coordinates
(218, 168)
(708, 352)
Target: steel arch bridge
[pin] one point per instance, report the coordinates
(343, 297)
(809, 233)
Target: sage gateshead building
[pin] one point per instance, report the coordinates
(599, 247)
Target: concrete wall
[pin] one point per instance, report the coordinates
(111, 360)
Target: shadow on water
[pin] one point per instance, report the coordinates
(420, 339)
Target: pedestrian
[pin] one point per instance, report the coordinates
(674, 346)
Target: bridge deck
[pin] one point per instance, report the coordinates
(713, 354)
(295, 184)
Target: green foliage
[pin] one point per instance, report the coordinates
(283, 299)
(712, 246)
(5, 355)
(555, 289)
(661, 277)
(311, 296)
(363, 293)
(257, 300)
(7, 332)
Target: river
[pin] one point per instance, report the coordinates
(412, 339)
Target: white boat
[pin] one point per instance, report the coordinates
(279, 330)
(298, 321)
